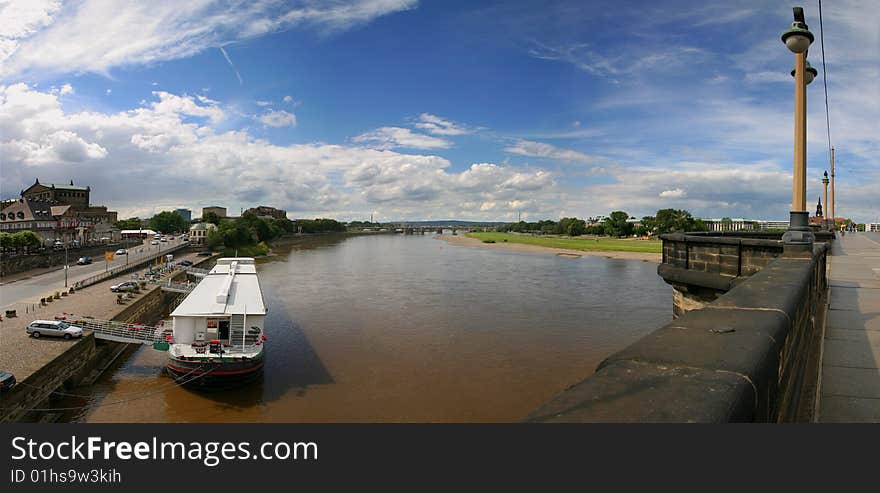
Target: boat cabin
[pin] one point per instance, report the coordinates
(226, 308)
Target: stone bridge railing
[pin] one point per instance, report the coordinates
(744, 346)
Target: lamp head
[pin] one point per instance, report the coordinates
(810, 73)
(799, 38)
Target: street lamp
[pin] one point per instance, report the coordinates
(798, 40)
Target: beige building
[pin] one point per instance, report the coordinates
(198, 233)
(220, 211)
(58, 212)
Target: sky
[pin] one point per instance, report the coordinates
(421, 110)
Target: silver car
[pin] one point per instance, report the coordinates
(54, 328)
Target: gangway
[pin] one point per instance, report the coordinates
(197, 272)
(178, 287)
(131, 333)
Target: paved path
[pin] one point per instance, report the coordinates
(850, 388)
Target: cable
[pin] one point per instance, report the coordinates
(824, 79)
(178, 382)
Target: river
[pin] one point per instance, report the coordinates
(408, 328)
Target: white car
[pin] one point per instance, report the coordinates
(122, 251)
(56, 328)
(163, 240)
(154, 242)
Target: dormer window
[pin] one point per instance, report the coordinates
(20, 215)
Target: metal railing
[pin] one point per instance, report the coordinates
(120, 331)
(124, 268)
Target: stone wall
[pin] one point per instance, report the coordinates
(65, 371)
(22, 263)
(700, 268)
(750, 355)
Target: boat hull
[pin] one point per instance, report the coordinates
(215, 371)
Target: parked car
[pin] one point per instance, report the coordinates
(122, 251)
(58, 245)
(56, 328)
(163, 240)
(123, 286)
(185, 263)
(205, 254)
(7, 381)
(84, 261)
(154, 242)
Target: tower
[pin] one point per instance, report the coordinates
(819, 208)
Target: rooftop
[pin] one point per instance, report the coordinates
(231, 287)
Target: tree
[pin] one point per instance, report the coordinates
(168, 222)
(671, 220)
(616, 224)
(211, 217)
(214, 239)
(130, 223)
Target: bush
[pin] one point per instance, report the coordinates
(490, 241)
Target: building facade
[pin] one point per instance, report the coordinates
(198, 233)
(58, 212)
(264, 211)
(220, 211)
(185, 213)
(873, 227)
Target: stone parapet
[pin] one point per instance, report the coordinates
(752, 354)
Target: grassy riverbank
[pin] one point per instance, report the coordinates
(579, 243)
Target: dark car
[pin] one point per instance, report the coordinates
(84, 261)
(7, 381)
(204, 254)
(185, 263)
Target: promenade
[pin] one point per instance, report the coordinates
(22, 355)
(850, 385)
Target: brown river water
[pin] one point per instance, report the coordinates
(406, 328)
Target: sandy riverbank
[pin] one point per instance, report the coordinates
(462, 240)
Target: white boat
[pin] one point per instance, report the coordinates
(217, 333)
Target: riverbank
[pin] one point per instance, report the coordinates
(513, 246)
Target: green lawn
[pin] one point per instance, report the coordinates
(577, 243)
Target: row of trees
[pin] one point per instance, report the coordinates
(250, 230)
(21, 241)
(617, 223)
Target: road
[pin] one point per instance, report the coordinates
(31, 289)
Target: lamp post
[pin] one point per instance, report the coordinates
(831, 210)
(798, 40)
(825, 185)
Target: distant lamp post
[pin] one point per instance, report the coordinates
(798, 40)
(825, 184)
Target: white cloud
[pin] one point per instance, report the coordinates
(160, 143)
(108, 91)
(98, 35)
(264, 103)
(288, 99)
(675, 193)
(394, 137)
(542, 150)
(278, 118)
(438, 126)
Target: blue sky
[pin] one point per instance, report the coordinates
(434, 110)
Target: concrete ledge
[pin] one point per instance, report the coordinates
(672, 274)
(632, 391)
